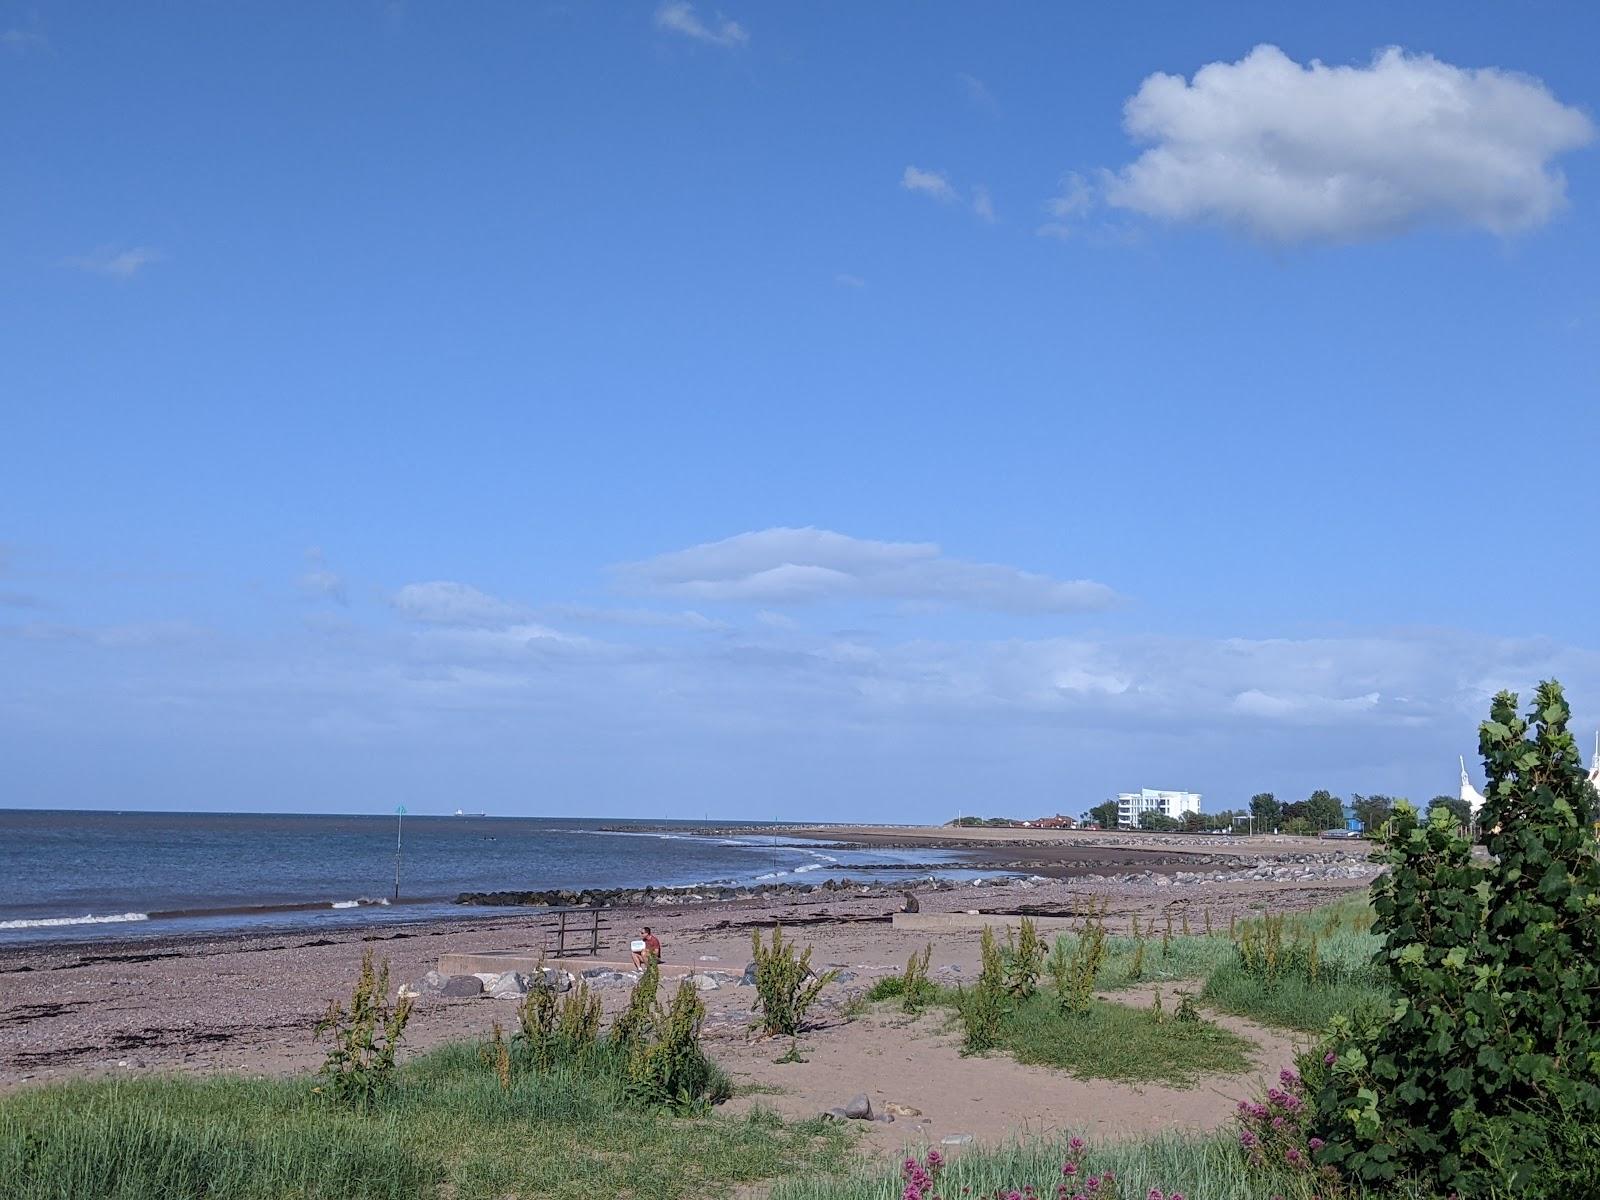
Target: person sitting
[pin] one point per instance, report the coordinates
(646, 948)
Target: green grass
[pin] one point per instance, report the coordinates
(1289, 1002)
(1203, 1167)
(1183, 958)
(561, 1134)
(1346, 979)
(1122, 1043)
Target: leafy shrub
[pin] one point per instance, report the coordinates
(918, 988)
(633, 1022)
(1075, 974)
(983, 1008)
(670, 1070)
(1494, 1040)
(360, 1065)
(786, 986)
(578, 1028)
(537, 1015)
(1024, 960)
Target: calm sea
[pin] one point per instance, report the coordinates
(95, 875)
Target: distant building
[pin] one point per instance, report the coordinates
(1133, 805)
(1056, 822)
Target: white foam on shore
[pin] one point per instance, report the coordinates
(51, 922)
(361, 903)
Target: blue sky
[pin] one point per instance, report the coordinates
(828, 411)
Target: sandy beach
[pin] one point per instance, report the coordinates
(247, 1003)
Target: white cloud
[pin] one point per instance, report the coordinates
(119, 264)
(846, 280)
(982, 203)
(1293, 153)
(1068, 207)
(977, 91)
(321, 582)
(679, 17)
(778, 566)
(929, 183)
(442, 602)
(133, 635)
(641, 618)
(21, 39)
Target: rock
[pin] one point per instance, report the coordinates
(513, 985)
(859, 1108)
(884, 1118)
(844, 977)
(600, 977)
(956, 1139)
(833, 1114)
(911, 904)
(749, 979)
(461, 986)
(407, 992)
(901, 1110)
(702, 983)
(555, 979)
(709, 958)
(433, 984)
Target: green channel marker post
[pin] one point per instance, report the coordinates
(399, 821)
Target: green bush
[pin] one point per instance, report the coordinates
(1024, 960)
(1484, 1077)
(786, 986)
(670, 1070)
(1074, 974)
(360, 1065)
(983, 1008)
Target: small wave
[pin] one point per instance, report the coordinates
(771, 875)
(804, 867)
(361, 902)
(52, 922)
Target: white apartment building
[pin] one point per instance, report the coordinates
(1133, 805)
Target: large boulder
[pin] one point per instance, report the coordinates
(435, 984)
(859, 1108)
(513, 985)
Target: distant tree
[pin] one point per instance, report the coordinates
(1323, 810)
(1373, 810)
(1106, 814)
(1297, 824)
(1159, 822)
(1192, 822)
(1265, 811)
(1458, 808)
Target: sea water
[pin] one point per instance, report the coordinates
(95, 875)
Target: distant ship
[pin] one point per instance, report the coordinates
(459, 813)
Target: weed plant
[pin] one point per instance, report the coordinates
(786, 986)
(366, 1037)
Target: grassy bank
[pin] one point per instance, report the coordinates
(561, 1133)
(1122, 1043)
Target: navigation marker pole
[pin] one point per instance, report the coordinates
(399, 821)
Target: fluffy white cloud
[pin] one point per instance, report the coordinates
(679, 17)
(1315, 152)
(929, 183)
(119, 264)
(442, 602)
(778, 566)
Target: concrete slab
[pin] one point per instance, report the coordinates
(497, 962)
(931, 922)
